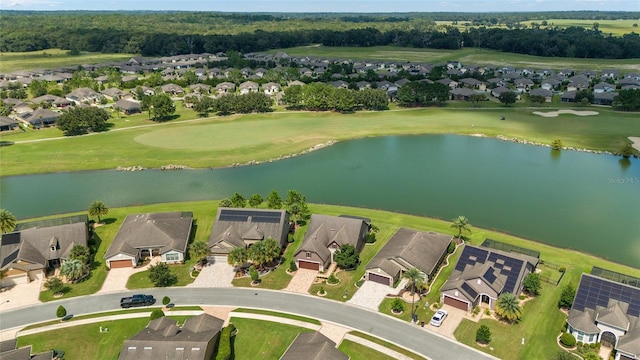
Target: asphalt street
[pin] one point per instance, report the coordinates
(396, 331)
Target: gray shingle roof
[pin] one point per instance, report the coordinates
(422, 250)
(163, 339)
(325, 229)
(166, 231)
(231, 231)
(313, 346)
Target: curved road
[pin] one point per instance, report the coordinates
(399, 332)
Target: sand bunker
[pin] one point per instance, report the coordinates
(636, 142)
(560, 112)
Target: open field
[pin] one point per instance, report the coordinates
(468, 56)
(53, 58)
(615, 27)
(221, 141)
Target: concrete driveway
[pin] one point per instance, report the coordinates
(371, 294)
(20, 295)
(451, 323)
(117, 278)
(302, 281)
(215, 274)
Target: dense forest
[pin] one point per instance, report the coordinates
(173, 33)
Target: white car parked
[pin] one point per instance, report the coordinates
(439, 317)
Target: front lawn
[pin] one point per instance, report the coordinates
(360, 352)
(258, 339)
(140, 280)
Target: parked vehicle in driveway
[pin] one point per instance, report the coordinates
(137, 300)
(438, 317)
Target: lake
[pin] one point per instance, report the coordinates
(588, 202)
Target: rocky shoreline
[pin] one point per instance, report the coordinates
(527, 142)
(282, 157)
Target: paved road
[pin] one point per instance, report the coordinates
(396, 331)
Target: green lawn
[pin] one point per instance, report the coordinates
(387, 345)
(141, 280)
(266, 340)
(86, 341)
(466, 56)
(616, 27)
(54, 58)
(360, 352)
(278, 314)
(243, 138)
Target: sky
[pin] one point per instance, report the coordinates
(360, 6)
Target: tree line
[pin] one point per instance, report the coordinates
(551, 41)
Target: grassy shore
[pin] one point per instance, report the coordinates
(221, 141)
(470, 56)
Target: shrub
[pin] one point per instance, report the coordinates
(225, 348)
(568, 340)
(255, 276)
(579, 344)
(522, 297)
(476, 310)
(370, 238)
(483, 334)
(556, 144)
(55, 285)
(562, 269)
(487, 312)
(292, 265)
(566, 298)
(532, 284)
(161, 276)
(332, 279)
(166, 300)
(156, 314)
(347, 257)
(321, 290)
(563, 355)
(451, 248)
(359, 283)
(397, 305)
(61, 311)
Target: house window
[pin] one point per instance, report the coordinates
(591, 336)
(580, 336)
(308, 254)
(172, 257)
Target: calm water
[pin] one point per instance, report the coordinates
(577, 200)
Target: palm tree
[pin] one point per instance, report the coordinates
(507, 307)
(272, 250)
(198, 250)
(461, 224)
(415, 279)
(98, 208)
(258, 254)
(7, 221)
(72, 269)
(238, 256)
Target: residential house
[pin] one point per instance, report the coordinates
(53, 100)
(523, 84)
(26, 255)
(363, 85)
(200, 88)
(461, 94)
(225, 87)
(115, 94)
(7, 123)
(84, 96)
(472, 83)
(499, 90)
(271, 88)
(325, 235)
(547, 94)
(147, 91)
(148, 235)
(578, 82)
(448, 82)
(164, 339)
(248, 87)
(611, 74)
(128, 106)
(607, 312)
(401, 82)
(568, 96)
(603, 87)
(243, 227)
(40, 118)
(482, 274)
(340, 84)
(172, 89)
(408, 249)
(17, 106)
(296, 83)
(10, 351)
(313, 345)
(129, 78)
(604, 98)
(551, 84)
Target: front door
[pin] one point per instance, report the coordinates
(608, 339)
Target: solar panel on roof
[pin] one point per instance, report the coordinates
(10, 258)
(595, 291)
(469, 290)
(489, 275)
(271, 217)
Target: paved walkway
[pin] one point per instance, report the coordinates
(117, 278)
(302, 281)
(333, 331)
(217, 274)
(370, 294)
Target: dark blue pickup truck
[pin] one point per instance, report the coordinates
(137, 300)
